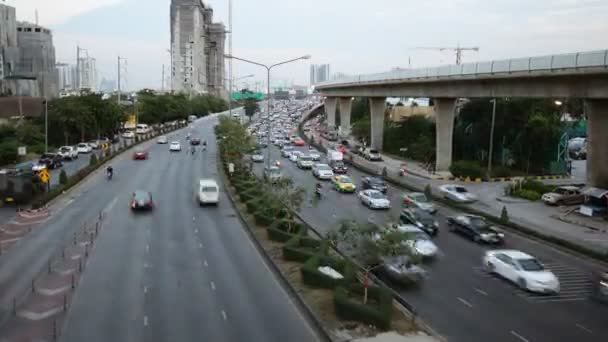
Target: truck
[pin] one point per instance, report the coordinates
(191, 118)
(333, 156)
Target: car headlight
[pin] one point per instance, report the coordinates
(436, 224)
(420, 225)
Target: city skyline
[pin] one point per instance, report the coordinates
(503, 30)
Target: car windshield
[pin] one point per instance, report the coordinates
(376, 181)
(65, 149)
(82, 145)
(373, 151)
(423, 216)
(460, 189)
(478, 223)
(375, 195)
(421, 198)
(305, 158)
(339, 164)
(141, 196)
(531, 265)
(208, 188)
(419, 236)
(47, 155)
(323, 168)
(345, 180)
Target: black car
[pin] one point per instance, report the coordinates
(195, 141)
(51, 160)
(421, 219)
(475, 228)
(599, 290)
(141, 200)
(339, 167)
(375, 183)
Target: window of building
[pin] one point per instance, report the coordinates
(37, 29)
(28, 29)
(19, 29)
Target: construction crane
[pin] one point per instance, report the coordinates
(457, 49)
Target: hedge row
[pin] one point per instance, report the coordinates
(313, 277)
(300, 248)
(349, 307)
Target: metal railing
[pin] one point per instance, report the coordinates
(578, 61)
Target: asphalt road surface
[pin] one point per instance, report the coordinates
(178, 273)
(460, 300)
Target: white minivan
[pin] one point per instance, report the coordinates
(208, 192)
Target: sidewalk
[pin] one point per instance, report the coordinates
(533, 215)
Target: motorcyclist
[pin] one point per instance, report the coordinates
(192, 149)
(277, 163)
(110, 171)
(318, 189)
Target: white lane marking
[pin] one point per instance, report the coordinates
(580, 326)
(482, 292)
(196, 230)
(145, 289)
(200, 245)
(465, 302)
(213, 286)
(224, 315)
(206, 264)
(514, 333)
(145, 321)
(147, 248)
(193, 218)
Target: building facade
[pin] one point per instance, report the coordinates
(197, 48)
(88, 74)
(37, 56)
(66, 77)
(319, 73)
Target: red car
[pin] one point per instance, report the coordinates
(140, 155)
(298, 142)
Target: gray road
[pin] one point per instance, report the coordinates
(179, 273)
(464, 303)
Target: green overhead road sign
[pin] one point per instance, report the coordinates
(243, 96)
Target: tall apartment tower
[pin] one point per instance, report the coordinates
(197, 48)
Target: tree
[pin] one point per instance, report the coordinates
(369, 243)
(288, 197)
(63, 177)
(251, 106)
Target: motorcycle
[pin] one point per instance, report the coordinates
(318, 191)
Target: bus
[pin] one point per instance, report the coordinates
(142, 129)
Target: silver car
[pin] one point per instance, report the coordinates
(457, 193)
(418, 200)
(402, 270)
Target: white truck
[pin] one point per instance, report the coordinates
(334, 156)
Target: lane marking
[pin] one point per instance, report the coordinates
(465, 302)
(147, 248)
(193, 218)
(200, 245)
(145, 289)
(224, 315)
(580, 326)
(196, 230)
(213, 286)
(514, 333)
(482, 292)
(145, 321)
(206, 264)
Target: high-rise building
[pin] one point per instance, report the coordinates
(66, 77)
(37, 56)
(197, 48)
(88, 73)
(319, 73)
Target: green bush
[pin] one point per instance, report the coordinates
(278, 235)
(503, 171)
(313, 277)
(530, 195)
(93, 160)
(537, 186)
(466, 168)
(301, 248)
(63, 177)
(262, 218)
(348, 302)
(428, 191)
(504, 215)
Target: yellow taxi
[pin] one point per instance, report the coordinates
(343, 183)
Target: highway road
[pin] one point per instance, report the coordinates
(459, 300)
(178, 273)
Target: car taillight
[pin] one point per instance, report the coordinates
(133, 205)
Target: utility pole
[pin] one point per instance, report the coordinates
(162, 84)
(230, 61)
(118, 84)
(491, 137)
(78, 68)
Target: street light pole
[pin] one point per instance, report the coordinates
(491, 137)
(46, 126)
(268, 68)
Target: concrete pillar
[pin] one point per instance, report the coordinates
(444, 114)
(597, 142)
(330, 109)
(377, 105)
(345, 109)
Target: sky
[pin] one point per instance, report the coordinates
(353, 36)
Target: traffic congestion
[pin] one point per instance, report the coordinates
(473, 270)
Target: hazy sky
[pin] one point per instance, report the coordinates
(354, 36)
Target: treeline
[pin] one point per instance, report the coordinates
(152, 108)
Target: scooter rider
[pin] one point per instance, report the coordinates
(110, 171)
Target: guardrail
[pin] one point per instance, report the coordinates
(574, 61)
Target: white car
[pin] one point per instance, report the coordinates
(68, 152)
(374, 199)
(522, 269)
(128, 135)
(295, 155)
(420, 242)
(322, 171)
(208, 192)
(38, 167)
(175, 146)
(94, 144)
(162, 140)
(257, 157)
(304, 162)
(314, 154)
(457, 193)
(83, 148)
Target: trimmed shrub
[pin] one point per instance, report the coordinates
(301, 248)
(93, 160)
(428, 191)
(262, 218)
(536, 186)
(530, 195)
(63, 177)
(313, 277)
(349, 307)
(466, 168)
(504, 215)
(278, 235)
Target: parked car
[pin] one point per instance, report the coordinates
(418, 200)
(375, 183)
(564, 195)
(208, 192)
(83, 148)
(141, 200)
(476, 228)
(421, 219)
(374, 199)
(51, 160)
(457, 193)
(322, 171)
(522, 269)
(402, 270)
(68, 152)
(418, 241)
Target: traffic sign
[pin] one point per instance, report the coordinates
(44, 176)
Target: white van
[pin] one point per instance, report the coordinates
(142, 129)
(208, 192)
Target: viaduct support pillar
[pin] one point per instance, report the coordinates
(444, 111)
(597, 142)
(330, 109)
(345, 109)
(377, 105)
